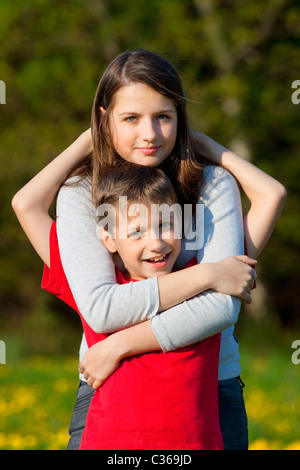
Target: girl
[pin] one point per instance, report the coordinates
(139, 115)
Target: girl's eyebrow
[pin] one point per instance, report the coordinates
(135, 113)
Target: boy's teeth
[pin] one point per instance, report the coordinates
(158, 259)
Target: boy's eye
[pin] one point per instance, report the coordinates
(136, 235)
(165, 226)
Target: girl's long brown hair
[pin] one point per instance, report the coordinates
(184, 166)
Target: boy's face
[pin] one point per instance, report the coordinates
(148, 245)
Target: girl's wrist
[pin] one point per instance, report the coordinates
(86, 141)
(209, 147)
(134, 340)
(119, 346)
(207, 275)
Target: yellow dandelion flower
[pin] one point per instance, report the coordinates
(293, 446)
(264, 444)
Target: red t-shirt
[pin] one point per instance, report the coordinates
(156, 400)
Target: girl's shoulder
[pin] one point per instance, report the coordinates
(216, 181)
(76, 193)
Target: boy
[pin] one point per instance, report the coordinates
(155, 400)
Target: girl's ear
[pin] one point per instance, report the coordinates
(103, 111)
(107, 241)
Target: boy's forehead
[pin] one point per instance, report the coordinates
(138, 212)
(145, 217)
(154, 211)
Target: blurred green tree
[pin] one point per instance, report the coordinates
(237, 60)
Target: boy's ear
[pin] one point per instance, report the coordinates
(107, 241)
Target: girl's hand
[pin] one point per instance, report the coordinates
(235, 276)
(102, 359)
(99, 362)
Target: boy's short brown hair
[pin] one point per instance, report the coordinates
(139, 183)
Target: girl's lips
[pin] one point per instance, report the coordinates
(159, 261)
(149, 150)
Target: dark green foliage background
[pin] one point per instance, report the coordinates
(237, 60)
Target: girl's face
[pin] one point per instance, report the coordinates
(143, 124)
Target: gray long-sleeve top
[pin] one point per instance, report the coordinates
(108, 307)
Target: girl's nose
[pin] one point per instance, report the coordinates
(149, 131)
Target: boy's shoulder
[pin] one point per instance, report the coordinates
(54, 279)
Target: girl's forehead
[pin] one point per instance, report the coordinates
(139, 94)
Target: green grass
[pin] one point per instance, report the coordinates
(38, 395)
(36, 403)
(272, 397)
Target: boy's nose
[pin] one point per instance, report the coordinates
(155, 243)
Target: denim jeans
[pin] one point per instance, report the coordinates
(232, 412)
(84, 397)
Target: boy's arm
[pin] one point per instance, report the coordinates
(32, 203)
(266, 195)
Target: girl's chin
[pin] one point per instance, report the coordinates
(143, 159)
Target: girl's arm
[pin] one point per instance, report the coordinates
(228, 276)
(90, 271)
(32, 203)
(266, 195)
(102, 359)
(267, 198)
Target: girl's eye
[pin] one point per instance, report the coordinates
(130, 119)
(163, 117)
